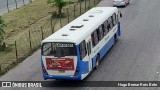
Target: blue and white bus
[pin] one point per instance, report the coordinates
(76, 49)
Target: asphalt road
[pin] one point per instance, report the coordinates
(135, 57)
(11, 5)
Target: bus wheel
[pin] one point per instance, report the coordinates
(115, 38)
(97, 62)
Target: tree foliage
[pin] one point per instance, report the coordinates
(58, 3)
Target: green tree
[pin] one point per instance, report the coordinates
(58, 3)
(2, 32)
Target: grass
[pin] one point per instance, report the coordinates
(19, 22)
(36, 19)
(21, 19)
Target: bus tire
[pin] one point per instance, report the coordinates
(97, 62)
(115, 38)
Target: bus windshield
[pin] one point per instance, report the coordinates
(58, 49)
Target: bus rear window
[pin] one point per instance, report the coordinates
(58, 49)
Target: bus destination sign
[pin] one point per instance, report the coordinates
(64, 45)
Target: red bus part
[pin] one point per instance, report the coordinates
(60, 63)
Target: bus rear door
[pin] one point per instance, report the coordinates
(89, 53)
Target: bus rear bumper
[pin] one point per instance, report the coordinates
(78, 77)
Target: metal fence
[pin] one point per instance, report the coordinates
(30, 41)
(7, 5)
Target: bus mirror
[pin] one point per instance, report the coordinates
(120, 15)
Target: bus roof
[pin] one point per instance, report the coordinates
(83, 26)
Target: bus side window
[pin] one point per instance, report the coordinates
(111, 22)
(105, 27)
(94, 38)
(100, 33)
(82, 49)
(108, 26)
(114, 19)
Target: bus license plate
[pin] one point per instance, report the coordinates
(61, 71)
